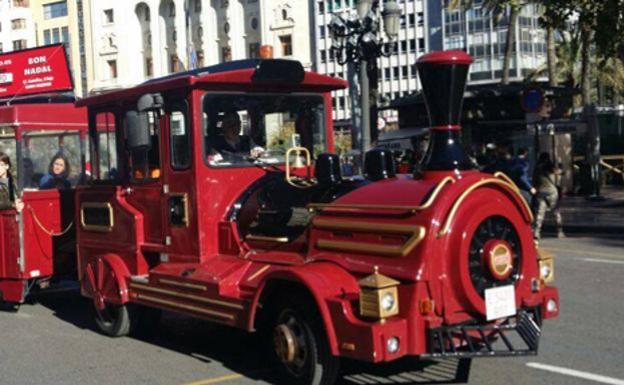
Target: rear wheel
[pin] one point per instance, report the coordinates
(300, 346)
(113, 320)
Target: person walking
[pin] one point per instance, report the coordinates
(519, 173)
(547, 198)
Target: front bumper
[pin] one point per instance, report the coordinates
(487, 340)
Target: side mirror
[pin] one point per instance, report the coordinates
(149, 102)
(136, 126)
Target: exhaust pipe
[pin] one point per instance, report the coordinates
(443, 77)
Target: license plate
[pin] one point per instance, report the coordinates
(500, 302)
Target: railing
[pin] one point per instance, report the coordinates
(611, 163)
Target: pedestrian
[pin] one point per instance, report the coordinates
(58, 171)
(519, 173)
(545, 179)
(8, 191)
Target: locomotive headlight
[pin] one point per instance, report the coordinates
(378, 296)
(547, 269)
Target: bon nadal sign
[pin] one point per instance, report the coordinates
(34, 71)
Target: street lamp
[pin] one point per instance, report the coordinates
(355, 40)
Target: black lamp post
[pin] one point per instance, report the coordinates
(356, 40)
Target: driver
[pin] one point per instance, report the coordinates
(232, 141)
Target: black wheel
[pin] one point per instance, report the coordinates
(494, 228)
(300, 346)
(113, 320)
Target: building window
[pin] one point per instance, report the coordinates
(174, 63)
(54, 10)
(284, 14)
(412, 45)
(200, 58)
(321, 7)
(322, 31)
(20, 3)
(225, 3)
(254, 23)
(112, 69)
(19, 44)
(109, 17)
(198, 6)
(254, 50)
(404, 72)
(286, 43)
(149, 66)
(47, 38)
(1, 48)
(172, 11)
(323, 56)
(18, 24)
(226, 54)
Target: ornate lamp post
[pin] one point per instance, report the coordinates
(356, 41)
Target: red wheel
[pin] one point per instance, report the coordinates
(104, 285)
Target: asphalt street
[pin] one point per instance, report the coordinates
(54, 341)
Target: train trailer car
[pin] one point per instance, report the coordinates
(37, 245)
(224, 202)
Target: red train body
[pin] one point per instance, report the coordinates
(441, 263)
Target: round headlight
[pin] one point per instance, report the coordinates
(545, 271)
(551, 306)
(387, 302)
(392, 345)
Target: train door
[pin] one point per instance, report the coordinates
(145, 183)
(178, 179)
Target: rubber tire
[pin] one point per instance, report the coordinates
(323, 367)
(120, 323)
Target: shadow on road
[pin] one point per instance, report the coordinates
(246, 354)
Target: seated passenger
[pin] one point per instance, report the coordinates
(7, 186)
(58, 171)
(232, 141)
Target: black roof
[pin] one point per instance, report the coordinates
(66, 97)
(221, 67)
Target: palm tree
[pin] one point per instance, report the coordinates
(497, 10)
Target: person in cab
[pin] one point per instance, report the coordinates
(58, 171)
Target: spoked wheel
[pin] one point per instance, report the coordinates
(112, 319)
(300, 346)
(494, 257)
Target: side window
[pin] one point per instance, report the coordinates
(106, 156)
(145, 162)
(179, 137)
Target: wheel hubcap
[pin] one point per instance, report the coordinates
(290, 343)
(285, 344)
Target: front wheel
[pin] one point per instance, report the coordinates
(300, 345)
(113, 320)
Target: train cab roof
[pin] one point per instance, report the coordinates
(243, 75)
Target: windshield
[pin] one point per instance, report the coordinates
(240, 129)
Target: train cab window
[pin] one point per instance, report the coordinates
(106, 167)
(145, 161)
(179, 137)
(243, 129)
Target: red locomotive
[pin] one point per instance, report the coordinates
(216, 195)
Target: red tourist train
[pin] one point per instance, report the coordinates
(261, 232)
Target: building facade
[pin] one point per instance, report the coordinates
(475, 31)
(66, 22)
(17, 29)
(397, 73)
(138, 40)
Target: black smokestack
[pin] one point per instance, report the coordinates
(443, 77)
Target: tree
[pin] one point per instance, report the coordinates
(497, 9)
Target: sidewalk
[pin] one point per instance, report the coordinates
(585, 216)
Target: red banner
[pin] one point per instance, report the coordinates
(34, 71)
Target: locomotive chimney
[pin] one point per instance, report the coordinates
(443, 77)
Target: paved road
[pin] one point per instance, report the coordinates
(55, 342)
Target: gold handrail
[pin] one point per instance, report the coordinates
(447, 224)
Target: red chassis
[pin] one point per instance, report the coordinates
(371, 269)
(39, 243)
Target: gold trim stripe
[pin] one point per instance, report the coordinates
(417, 234)
(411, 209)
(261, 238)
(512, 184)
(183, 295)
(182, 284)
(185, 307)
(257, 273)
(447, 224)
